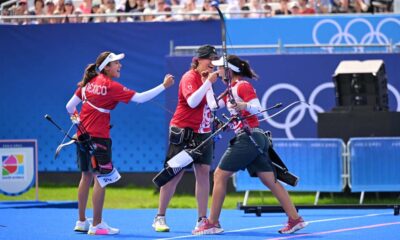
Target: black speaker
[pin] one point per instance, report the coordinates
(361, 85)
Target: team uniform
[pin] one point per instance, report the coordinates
(196, 119)
(241, 152)
(99, 96)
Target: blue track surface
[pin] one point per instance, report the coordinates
(56, 223)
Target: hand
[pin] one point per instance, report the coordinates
(238, 106)
(168, 80)
(75, 119)
(212, 77)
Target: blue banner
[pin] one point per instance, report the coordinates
(343, 29)
(41, 65)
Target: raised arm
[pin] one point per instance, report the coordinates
(209, 78)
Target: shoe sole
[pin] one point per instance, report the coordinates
(95, 233)
(161, 229)
(296, 228)
(209, 231)
(81, 230)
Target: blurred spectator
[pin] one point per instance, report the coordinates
(189, 6)
(148, 15)
(245, 9)
(284, 9)
(50, 9)
(295, 9)
(130, 5)
(110, 8)
(20, 10)
(322, 6)
(358, 6)
(208, 8)
(159, 8)
(235, 6)
(340, 6)
(69, 9)
(304, 8)
(140, 5)
(76, 16)
(37, 9)
(254, 6)
(166, 18)
(100, 10)
(60, 7)
(86, 6)
(268, 10)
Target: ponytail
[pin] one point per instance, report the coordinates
(91, 69)
(246, 71)
(244, 67)
(90, 73)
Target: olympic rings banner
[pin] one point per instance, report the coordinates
(308, 78)
(349, 29)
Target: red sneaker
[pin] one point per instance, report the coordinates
(207, 228)
(293, 225)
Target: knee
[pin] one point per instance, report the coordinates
(86, 176)
(219, 176)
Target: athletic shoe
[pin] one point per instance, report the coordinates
(83, 226)
(208, 228)
(293, 225)
(102, 229)
(160, 224)
(200, 223)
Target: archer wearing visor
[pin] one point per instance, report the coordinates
(247, 150)
(99, 93)
(191, 125)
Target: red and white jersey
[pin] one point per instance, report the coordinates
(243, 91)
(198, 118)
(102, 92)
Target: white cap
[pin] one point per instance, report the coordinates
(110, 58)
(220, 62)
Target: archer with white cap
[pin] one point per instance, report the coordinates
(249, 149)
(99, 94)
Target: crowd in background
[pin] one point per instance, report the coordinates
(70, 11)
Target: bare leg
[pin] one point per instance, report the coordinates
(202, 173)
(221, 178)
(268, 179)
(83, 194)
(166, 193)
(98, 202)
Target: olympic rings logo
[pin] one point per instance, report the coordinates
(344, 35)
(300, 110)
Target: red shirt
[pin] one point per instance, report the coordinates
(244, 91)
(198, 118)
(105, 93)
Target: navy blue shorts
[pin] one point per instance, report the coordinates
(243, 154)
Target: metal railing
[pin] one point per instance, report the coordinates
(280, 48)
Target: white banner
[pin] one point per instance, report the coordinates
(18, 166)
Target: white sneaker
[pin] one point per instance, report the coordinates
(200, 223)
(102, 229)
(160, 224)
(83, 226)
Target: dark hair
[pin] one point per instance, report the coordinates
(195, 63)
(243, 66)
(90, 71)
